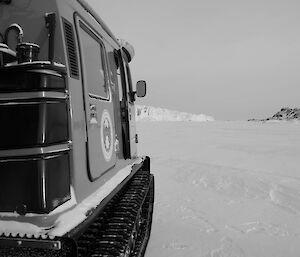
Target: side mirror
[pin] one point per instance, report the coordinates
(141, 88)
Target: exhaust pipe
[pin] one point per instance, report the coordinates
(50, 25)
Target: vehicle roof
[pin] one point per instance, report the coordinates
(91, 11)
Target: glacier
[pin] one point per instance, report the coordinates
(151, 113)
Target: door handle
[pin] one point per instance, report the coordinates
(93, 114)
(93, 108)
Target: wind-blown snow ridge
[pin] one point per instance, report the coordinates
(151, 113)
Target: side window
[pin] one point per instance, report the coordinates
(129, 81)
(121, 77)
(124, 79)
(118, 75)
(120, 84)
(93, 59)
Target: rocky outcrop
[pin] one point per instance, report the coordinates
(285, 114)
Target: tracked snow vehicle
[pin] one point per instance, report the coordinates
(71, 181)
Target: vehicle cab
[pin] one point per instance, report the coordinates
(66, 111)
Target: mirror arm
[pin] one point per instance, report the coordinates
(132, 96)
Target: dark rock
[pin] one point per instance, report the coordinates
(284, 114)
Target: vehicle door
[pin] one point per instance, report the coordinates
(98, 102)
(127, 107)
(131, 110)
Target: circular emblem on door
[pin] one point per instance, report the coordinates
(106, 136)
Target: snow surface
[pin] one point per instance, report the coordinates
(224, 189)
(151, 113)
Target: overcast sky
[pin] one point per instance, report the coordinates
(232, 59)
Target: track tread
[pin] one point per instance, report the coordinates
(125, 224)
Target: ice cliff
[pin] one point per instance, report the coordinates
(151, 113)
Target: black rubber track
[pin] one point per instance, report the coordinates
(124, 227)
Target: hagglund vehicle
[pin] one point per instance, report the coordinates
(71, 183)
